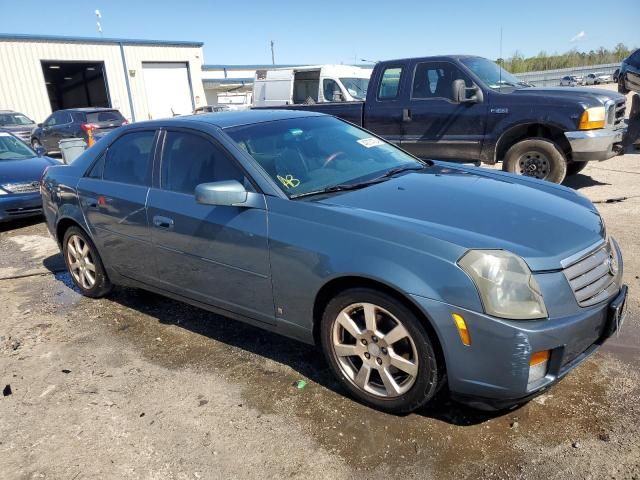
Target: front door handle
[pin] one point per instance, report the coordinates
(163, 222)
(406, 115)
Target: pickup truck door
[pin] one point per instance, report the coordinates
(434, 125)
(383, 113)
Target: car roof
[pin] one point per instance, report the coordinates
(87, 109)
(235, 118)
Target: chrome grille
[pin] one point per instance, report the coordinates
(26, 187)
(620, 108)
(592, 277)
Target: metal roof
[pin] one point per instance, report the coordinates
(20, 37)
(226, 81)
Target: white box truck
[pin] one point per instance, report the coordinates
(311, 84)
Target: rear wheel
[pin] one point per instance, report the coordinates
(84, 264)
(575, 167)
(536, 157)
(380, 351)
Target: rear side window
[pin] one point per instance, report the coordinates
(390, 83)
(189, 160)
(128, 158)
(109, 116)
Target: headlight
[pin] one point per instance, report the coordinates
(505, 284)
(591, 118)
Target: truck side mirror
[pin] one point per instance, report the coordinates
(461, 92)
(337, 96)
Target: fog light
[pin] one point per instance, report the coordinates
(462, 329)
(538, 365)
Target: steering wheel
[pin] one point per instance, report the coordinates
(331, 158)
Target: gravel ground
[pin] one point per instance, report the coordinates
(139, 386)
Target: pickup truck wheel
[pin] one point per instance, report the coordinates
(84, 264)
(575, 167)
(380, 351)
(536, 157)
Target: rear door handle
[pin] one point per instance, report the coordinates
(406, 115)
(162, 222)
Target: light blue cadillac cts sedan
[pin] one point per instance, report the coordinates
(411, 275)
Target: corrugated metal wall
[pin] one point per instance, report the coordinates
(22, 86)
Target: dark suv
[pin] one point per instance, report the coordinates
(75, 123)
(629, 76)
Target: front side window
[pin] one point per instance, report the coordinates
(331, 90)
(390, 83)
(435, 80)
(309, 154)
(51, 121)
(12, 148)
(129, 157)
(189, 160)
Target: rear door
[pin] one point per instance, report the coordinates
(113, 198)
(383, 111)
(214, 254)
(437, 126)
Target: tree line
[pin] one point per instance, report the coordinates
(518, 63)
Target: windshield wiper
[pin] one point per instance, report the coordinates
(366, 183)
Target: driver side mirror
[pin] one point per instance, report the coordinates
(461, 92)
(337, 97)
(226, 193)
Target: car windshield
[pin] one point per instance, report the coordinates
(357, 87)
(13, 119)
(309, 155)
(11, 148)
(493, 76)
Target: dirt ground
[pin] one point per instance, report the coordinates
(139, 386)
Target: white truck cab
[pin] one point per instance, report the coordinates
(311, 84)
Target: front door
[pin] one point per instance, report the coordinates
(213, 254)
(438, 127)
(113, 198)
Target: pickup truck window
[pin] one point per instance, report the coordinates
(491, 74)
(435, 79)
(390, 83)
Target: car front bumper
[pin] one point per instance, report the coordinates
(20, 205)
(598, 144)
(493, 371)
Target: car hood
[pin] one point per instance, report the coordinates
(581, 94)
(18, 128)
(478, 208)
(27, 170)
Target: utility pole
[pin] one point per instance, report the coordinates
(98, 24)
(273, 56)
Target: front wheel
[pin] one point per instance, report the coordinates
(536, 157)
(621, 86)
(84, 264)
(380, 351)
(575, 167)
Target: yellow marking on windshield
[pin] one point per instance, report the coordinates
(289, 181)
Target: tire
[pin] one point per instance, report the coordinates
(575, 167)
(621, 86)
(536, 157)
(412, 349)
(89, 265)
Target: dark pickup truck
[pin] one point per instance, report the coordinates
(467, 108)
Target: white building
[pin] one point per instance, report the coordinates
(143, 79)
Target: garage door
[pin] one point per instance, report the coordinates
(168, 89)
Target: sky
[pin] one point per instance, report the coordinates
(339, 31)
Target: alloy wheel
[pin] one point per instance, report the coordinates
(374, 350)
(81, 262)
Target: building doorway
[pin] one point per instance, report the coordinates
(75, 84)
